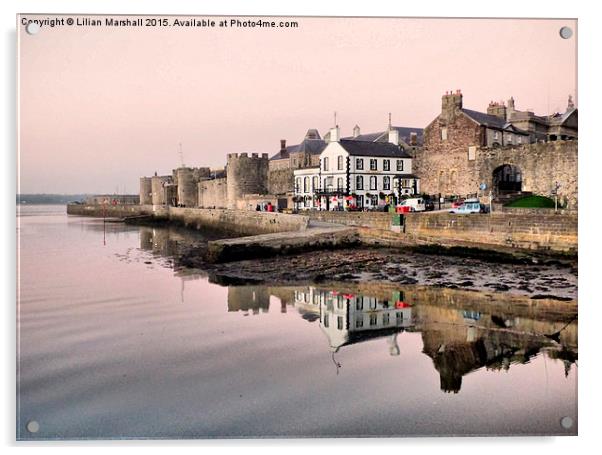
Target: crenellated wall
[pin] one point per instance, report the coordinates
(246, 175)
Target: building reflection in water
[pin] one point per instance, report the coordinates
(350, 318)
(459, 341)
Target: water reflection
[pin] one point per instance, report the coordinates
(461, 331)
(458, 340)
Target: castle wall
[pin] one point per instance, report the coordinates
(541, 166)
(212, 193)
(458, 165)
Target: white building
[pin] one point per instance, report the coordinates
(356, 174)
(349, 318)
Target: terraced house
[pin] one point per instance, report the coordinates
(356, 174)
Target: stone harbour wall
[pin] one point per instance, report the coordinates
(109, 211)
(535, 232)
(376, 220)
(242, 222)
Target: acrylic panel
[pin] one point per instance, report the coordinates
(296, 227)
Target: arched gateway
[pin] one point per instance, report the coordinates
(507, 178)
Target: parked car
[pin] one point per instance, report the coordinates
(411, 205)
(429, 205)
(457, 203)
(470, 206)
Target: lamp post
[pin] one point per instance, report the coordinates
(555, 193)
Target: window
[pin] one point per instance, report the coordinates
(298, 185)
(399, 317)
(444, 134)
(359, 182)
(386, 182)
(328, 182)
(340, 162)
(386, 165)
(373, 319)
(340, 323)
(306, 185)
(325, 163)
(359, 164)
(510, 139)
(472, 153)
(519, 140)
(340, 302)
(496, 135)
(359, 322)
(373, 165)
(400, 165)
(326, 320)
(386, 319)
(315, 183)
(340, 183)
(359, 305)
(373, 182)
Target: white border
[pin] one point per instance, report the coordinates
(590, 162)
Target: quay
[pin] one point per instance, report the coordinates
(263, 234)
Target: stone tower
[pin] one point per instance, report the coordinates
(187, 187)
(146, 191)
(246, 175)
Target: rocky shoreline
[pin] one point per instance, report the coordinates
(536, 278)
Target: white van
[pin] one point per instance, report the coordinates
(412, 205)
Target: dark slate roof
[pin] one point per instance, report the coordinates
(404, 134)
(308, 145)
(380, 149)
(383, 136)
(485, 119)
(370, 137)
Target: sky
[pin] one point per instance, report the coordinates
(101, 106)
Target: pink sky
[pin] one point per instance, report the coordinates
(101, 106)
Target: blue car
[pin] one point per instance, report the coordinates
(470, 206)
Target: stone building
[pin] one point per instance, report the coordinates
(506, 150)
(306, 154)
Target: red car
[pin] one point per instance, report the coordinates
(457, 203)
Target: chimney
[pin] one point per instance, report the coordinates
(282, 145)
(451, 103)
(497, 109)
(356, 131)
(394, 136)
(570, 104)
(413, 138)
(335, 134)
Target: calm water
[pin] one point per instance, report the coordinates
(114, 343)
